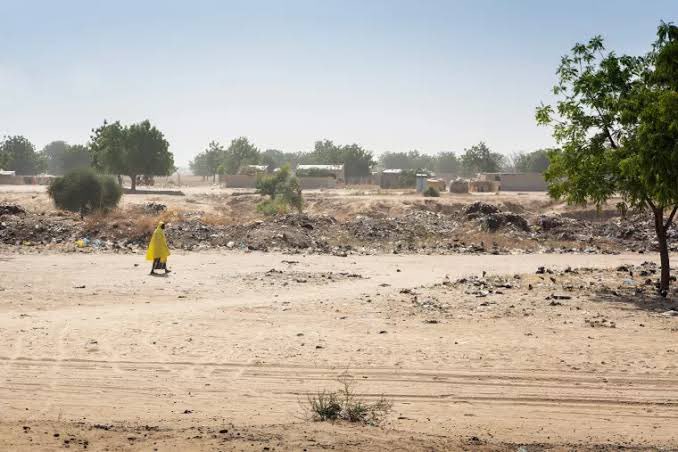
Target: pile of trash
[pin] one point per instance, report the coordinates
(11, 209)
(421, 230)
(482, 286)
(154, 208)
(492, 219)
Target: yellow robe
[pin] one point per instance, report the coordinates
(157, 248)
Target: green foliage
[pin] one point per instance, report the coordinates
(18, 154)
(431, 192)
(345, 405)
(111, 192)
(61, 158)
(283, 191)
(274, 158)
(531, 162)
(447, 162)
(240, 152)
(357, 161)
(84, 191)
(480, 159)
(137, 149)
(444, 162)
(616, 122)
(325, 406)
(411, 160)
(209, 162)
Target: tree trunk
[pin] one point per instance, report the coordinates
(134, 183)
(660, 228)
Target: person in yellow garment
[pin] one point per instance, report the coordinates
(158, 251)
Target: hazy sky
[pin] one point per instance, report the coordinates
(389, 75)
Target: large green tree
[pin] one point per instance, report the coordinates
(357, 161)
(531, 162)
(616, 122)
(447, 162)
(480, 159)
(239, 153)
(207, 163)
(61, 158)
(18, 154)
(274, 158)
(135, 150)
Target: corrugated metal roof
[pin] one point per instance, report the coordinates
(321, 167)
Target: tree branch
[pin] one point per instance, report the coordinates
(650, 203)
(667, 225)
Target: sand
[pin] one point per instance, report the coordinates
(93, 347)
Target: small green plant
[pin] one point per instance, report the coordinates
(325, 406)
(345, 405)
(84, 191)
(432, 192)
(283, 191)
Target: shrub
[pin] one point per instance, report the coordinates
(431, 192)
(84, 191)
(111, 192)
(344, 405)
(283, 191)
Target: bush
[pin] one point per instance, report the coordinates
(283, 191)
(344, 405)
(84, 191)
(111, 192)
(431, 192)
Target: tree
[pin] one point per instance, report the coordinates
(199, 165)
(61, 158)
(357, 161)
(480, 159)
(84, 191)
(53, 154)
(206, 164)
(531, 162)
(135, 150)
(283, 191)
(240, 152)
(407, 160)
(617, 126)
(18, 154)
(274, 158)
(447, 162)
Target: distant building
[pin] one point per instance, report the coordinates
(516, 181)
(391, 178)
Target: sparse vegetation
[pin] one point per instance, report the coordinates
(344, 405)
(283, 191)
(84, 191)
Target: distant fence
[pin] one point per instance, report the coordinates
(314, 183)
(239, 181)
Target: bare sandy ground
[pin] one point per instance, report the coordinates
(222, 353)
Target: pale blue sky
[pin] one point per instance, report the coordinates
(389, 75)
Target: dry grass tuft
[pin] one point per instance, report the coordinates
(345, 405)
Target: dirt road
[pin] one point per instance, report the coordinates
(242, 338)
